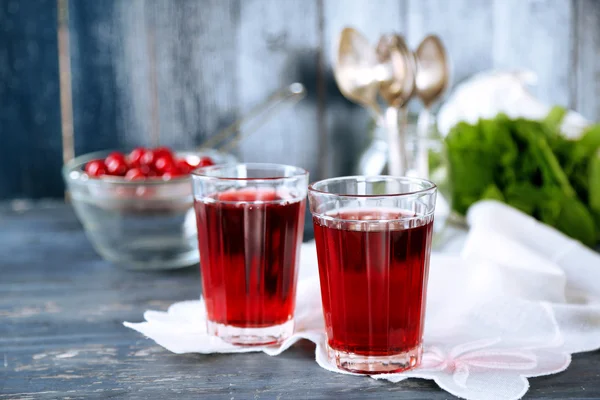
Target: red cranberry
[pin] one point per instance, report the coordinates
(147, 171)
(135, 174)
(95, 168)
(163, 163)
(116, 165)
(163, 152)
(135, 156)
(205, 162)
(183, 166)
(148, 158)
(172, 173)
(115, 155)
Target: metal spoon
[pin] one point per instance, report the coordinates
(357, 71)
(260, 114)
(393, 53)
(431, 82)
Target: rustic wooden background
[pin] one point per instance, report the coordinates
(143, 72)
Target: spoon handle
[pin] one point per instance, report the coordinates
(261, 113)
(402, 139)
(424, 122)
(395, 127)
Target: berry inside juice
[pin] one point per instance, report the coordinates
(373, 266)
(249, 255)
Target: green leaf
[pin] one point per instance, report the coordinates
(576, 221)
(532, 167)
(493, 193)
(525, 196)
(594, 183)
(549, 207)
(554, 119)
(471, 170)
(474, 156)
(549, 166)
(587, 145)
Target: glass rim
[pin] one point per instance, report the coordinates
(365, 178)
(298, 172)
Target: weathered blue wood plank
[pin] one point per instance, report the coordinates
(175, 72)
(30, 135)
(150, 72)
(585, 60)
(465, 26)
(536, 34)
(193, 55)
(273, 55)
(109, 66)
(93, 40)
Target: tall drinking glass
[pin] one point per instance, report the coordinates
(250, 220)
(373, 237)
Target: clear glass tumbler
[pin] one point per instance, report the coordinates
(250, 221)
(373, 237)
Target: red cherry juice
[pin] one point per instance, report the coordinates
(373, 267)
(249, 255)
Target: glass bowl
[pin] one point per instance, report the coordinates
(145, 224)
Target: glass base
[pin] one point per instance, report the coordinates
(252, 336)
(375, 364)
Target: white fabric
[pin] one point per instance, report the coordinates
(515, 303)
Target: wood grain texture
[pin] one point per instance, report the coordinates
(193, 47)
(272, 55)
(30, 134)
(586, 58)
(95, 56)
(465, 26)
(145, 72)
(536, 35)
(348, 123)
(150, 72)
(61, 333)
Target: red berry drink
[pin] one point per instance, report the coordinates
(249, 240)
(373, 266)
(249, 254)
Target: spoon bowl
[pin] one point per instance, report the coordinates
(432, 65)
(394, 54)
(356, 69)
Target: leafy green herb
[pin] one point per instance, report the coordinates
(594, 189)
(531, 166)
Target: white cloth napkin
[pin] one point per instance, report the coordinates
(515, 303)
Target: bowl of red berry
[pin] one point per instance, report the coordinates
(137, 207)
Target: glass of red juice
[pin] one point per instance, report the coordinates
(250, 220)
(373, 237)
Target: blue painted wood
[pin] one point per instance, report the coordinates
(271, 56)
(536, 35)
(175, 72)
(193, 54)
(465, 26)
(30, 134)
(585, 59)
(94, 39)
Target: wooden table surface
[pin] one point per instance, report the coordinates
(61, 333)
